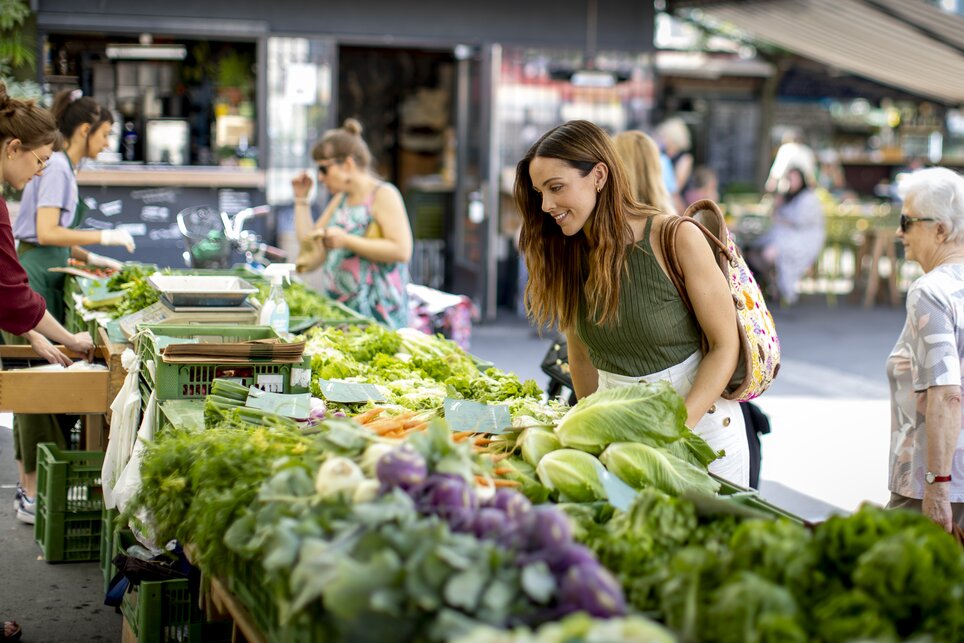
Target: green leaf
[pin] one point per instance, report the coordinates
(652, 414)
(538, 582)
(465, 588)
(349, 592)
(639, 466)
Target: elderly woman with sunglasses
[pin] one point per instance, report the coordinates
(925, 367)
(363, 239)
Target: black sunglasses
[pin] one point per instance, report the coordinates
(905, 221)
(323, 169)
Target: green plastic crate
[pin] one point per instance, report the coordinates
(69, 481)
(249, 588)
(68, 537)
(192, 381)
(165, 611)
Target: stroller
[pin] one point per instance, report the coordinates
(211, 238)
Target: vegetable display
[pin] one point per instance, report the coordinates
(365, 522)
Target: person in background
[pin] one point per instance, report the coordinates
(641, 157)
(794, 240)
(674, 138)
(925, 367)
(703, 185)
(792, 153)
(50, 210)
(597, 271)
(27, 138)
(363, 239)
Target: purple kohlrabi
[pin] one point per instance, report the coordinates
(402, 467)
(512, 503)
(545, 528)
(450, 497)
(490, 524)
(589, 587)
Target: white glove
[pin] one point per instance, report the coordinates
(117, 238)
(101, 261)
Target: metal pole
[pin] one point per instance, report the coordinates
(492, 158)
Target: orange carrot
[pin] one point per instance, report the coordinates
(458, 436)
(501, 471)
(499, 482)
(369, 415)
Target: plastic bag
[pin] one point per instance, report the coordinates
(124, 422)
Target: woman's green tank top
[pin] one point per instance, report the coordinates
(654, 330)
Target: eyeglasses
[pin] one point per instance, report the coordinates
(324, 167)
(42, 163)
(905, 221)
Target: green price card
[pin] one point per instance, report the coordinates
(350, 392)
(465, 415)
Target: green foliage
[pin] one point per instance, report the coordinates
(17, 51)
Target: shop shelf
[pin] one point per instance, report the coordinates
(68, 537)
(192, 381)
(69, 481)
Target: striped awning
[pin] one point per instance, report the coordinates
(902, 43)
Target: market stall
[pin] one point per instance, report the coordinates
(358, 483)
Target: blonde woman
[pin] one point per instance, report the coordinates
(596, 270)
(674, 138)
(640, 155)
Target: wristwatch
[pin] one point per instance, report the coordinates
(931, 478)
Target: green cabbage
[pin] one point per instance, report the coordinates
(537, 441)
(573, 474)
(653, 414)
(640, 465)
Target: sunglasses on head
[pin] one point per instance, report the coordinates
(324, 166)
(905, 221)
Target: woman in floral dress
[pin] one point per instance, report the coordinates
(363, 240)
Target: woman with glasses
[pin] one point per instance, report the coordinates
(51, 210)
(27, 138)
(925, 367)
(363, 240)
(47, 235)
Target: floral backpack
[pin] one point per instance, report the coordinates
(759, 345)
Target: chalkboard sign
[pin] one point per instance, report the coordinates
(150, 215)
(732, 149)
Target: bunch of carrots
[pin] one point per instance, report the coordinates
(402, 424)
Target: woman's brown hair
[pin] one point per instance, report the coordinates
(71, 109)
(344, 142)
(592, 261)
(27, 121)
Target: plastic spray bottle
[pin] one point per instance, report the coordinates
(274, 310)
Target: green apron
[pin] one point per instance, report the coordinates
(37, 260)
(29, 430)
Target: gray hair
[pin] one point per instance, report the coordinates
(939, 193)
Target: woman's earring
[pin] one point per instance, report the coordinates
(598, 189)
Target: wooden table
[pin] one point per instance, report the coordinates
(84, 393)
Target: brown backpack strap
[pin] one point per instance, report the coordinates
(667, 235)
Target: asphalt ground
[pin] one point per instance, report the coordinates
(827, 451)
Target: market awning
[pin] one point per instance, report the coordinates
(903, 43)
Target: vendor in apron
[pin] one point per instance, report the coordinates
(47, 235)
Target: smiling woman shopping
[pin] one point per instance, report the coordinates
(596, 270)
(925, 367)
(363, 240)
